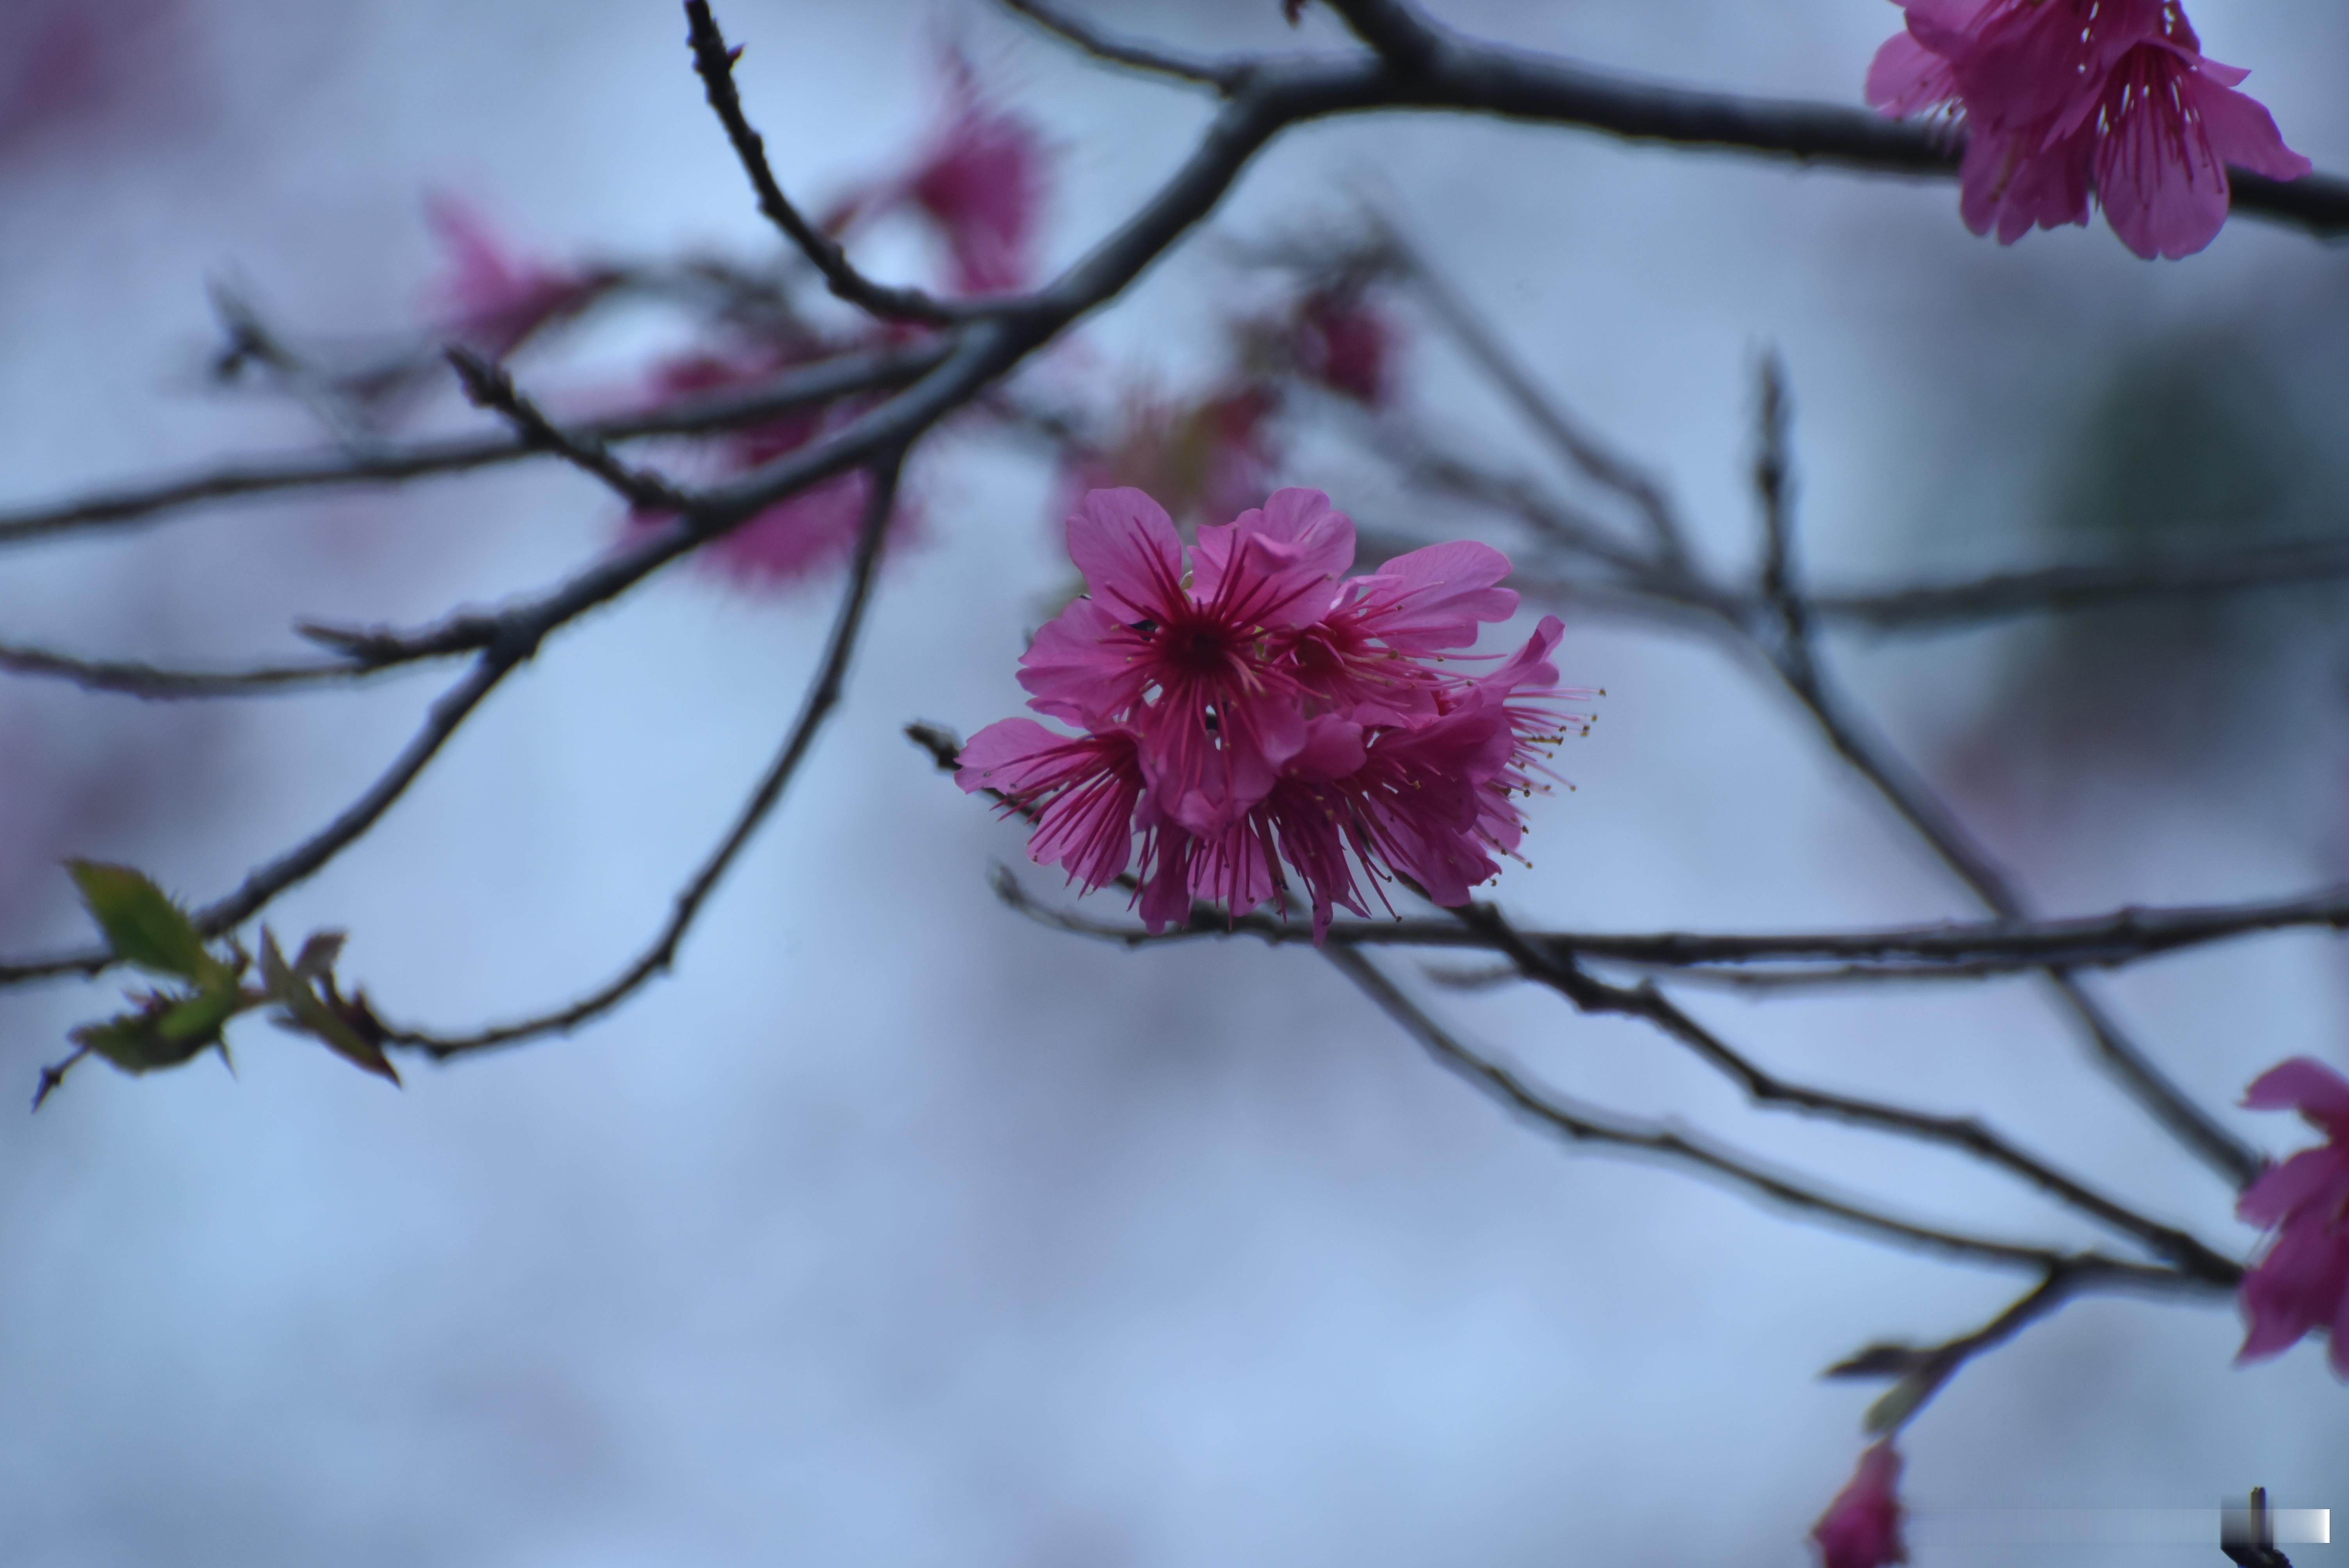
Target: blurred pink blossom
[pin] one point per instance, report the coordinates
(488, 296)
(1249, 704)
(981, 181)
(2301, 1285)
(2066, 97)
(1861, 1528)
(63, 61)
(794, 539)
(1345, 342)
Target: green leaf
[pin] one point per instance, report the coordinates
(317, 959)
(308, 1013)
(200, 1018)
(137, 1042)
(142, 923)
(1899, 1402)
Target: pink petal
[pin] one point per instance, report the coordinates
(2305, 1085)
(1126, 546)
(1906, 77)
(2301, 1181)
(2240, 129)
(1316, 544)
(1074, 671)
(1434, 597)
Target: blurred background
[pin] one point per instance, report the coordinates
(897, 1230)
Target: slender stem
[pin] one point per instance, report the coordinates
(823, 695)
(1581, 1125)
(714, 60)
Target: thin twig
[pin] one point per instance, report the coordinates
(488, 385)
(1586, 453)
(1581, 1125)
(1996, 596)
(1925, 1371)
(1644, 1002)
(823, 693)
(1966, 1134)
(2000, 946)
(163, 683)
(821, 381)
(714, 61)
(1792, 658)
(305, 859)
(1150, 59)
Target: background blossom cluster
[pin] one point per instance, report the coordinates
(1246, 703)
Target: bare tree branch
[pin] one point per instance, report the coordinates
(1224, 76)
(802, 386)
(489, 387)
(1400, 34)
(1585, 451)
(1926, 1369)
(157, 683)
(1790, 656)
(1580, 1125)
(822, 694)
(1645, 1002)
(715, 63)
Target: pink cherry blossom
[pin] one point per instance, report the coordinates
(1191, 671)
(1861, 1528)
(794, 539)
(2301, 1285)
(2066, 100)
(981, 181)
(489, 294)
(1250, 713)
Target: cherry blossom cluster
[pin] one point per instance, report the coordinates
(2301, 1284)
(2066, 100)
(1244, 709)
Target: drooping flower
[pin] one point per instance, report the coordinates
(2064, 100)
(1861, 1528)
(796, 538)
(488, 296)
(980, 182)
(1250, 713)
(2301, 1285)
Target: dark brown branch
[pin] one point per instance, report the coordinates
(802, 386)
(305, 859)
(1999, 946)
(1966, 1134)
(823, 695)
(1580, 1125)
(1644, 1002)
(1225, 76)
(1793, 659)
(714, 61)
(1926, 1369)
(488, 385)
(1400, 34)
(162, 684)
(2004, 595)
